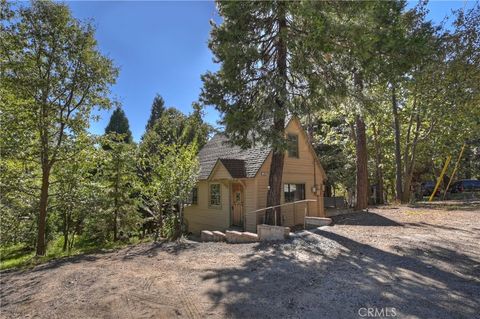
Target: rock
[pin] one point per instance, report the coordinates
(218, 236)
(233, 236)
(249, 237)
(206, 235)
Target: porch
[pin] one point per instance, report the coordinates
(292, 214)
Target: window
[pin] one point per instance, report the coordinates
(238, 197)
(292, 141)
(194, 196)
(476, 185)
(214, 194)
(294, 192)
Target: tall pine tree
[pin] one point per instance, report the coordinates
(261, 78)
(158, 107)
(119, 124)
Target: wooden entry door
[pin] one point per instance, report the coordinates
(237, 205)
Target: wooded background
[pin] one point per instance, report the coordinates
(385, 95)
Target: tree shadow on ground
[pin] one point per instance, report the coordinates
(327, 275)
(363, 219)
(67, 260)
(14, 281)
(31, 287)
(152, 249)
(428, 225)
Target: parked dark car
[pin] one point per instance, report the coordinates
(428, 187)
(465, 185)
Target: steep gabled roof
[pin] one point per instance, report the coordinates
(239, 163)
(236, 167)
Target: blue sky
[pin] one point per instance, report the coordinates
(161, 47)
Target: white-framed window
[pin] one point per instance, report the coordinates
(215, 195)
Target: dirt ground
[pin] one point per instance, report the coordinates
(410, 262)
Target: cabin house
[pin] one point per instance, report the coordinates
(233, 184)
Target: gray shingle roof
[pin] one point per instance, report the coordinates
(240, 163)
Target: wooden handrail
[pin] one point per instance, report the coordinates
(286, 204)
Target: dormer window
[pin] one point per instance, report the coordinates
(292, 145)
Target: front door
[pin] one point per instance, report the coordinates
(237, 205)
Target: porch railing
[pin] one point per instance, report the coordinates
(255, 213)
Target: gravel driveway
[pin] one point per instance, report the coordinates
(396, 262)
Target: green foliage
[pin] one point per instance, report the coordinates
(263, 70)
(336, 149)
(168, 167)
(119, 124)
(19, 255)
(18, 200)
(54, 74)
(77, 191)
(16, 255)
(171, 174)
(118, 174)
(173, 127)
(435, 73)
(343, 60)
(158, 107)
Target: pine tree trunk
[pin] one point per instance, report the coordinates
(378, 167)
(116, 190)
(115, 230)
(274, 194)
(407, 185)
(42, 216)
(278, 154)
(362, 170)
(410, 162)
(65, 232)
(398, 155)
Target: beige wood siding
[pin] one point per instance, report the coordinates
(219, 172)
(302, 170)
(295, 171)
(202, 216)
(250, 204)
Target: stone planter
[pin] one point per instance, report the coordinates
(270, 232)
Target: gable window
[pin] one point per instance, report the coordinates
(294, 192)
(194, 196)
(292, 145)
(215, 198)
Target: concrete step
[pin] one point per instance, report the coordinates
(317, 221)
